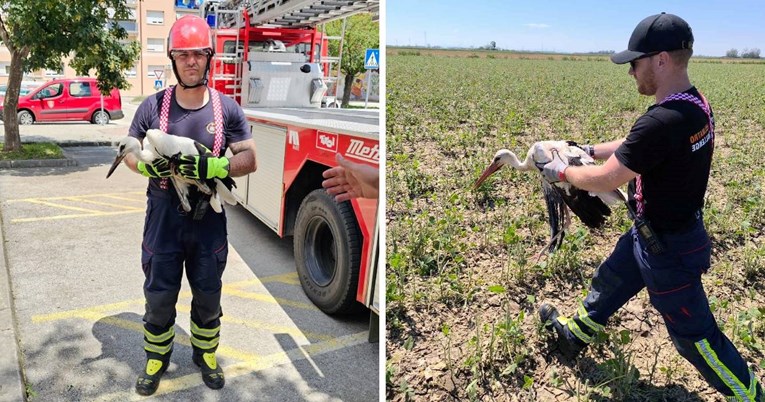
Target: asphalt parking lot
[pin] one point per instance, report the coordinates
(71, 241)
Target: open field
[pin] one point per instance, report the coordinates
(462, 286)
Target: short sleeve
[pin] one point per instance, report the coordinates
(646, 146)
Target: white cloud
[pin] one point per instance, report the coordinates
(537, 26)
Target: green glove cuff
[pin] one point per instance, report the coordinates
(144, 171)
(217, 167)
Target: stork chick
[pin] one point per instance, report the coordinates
(168, 146)
(131, 145)
(591, 208)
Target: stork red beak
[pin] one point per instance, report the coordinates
(116, 163)
(486, 173)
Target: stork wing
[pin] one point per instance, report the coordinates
(588, 207)
(556, 214)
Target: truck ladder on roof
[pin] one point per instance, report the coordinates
(290, 13)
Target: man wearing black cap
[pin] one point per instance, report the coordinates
(666, 159)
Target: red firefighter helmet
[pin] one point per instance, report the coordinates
(190, 32)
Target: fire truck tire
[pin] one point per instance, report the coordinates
(327, 247)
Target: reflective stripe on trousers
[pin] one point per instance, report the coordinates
(673, 282)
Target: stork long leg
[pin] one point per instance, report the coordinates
(182, 189)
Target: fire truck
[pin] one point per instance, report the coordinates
(273, 59)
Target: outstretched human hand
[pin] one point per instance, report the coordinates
(351, 180)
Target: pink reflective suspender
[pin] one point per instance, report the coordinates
(164, 118)
(682, 96)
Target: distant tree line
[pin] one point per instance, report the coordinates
(745, 54)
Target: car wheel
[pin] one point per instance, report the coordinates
(25, 117)
(327, 244)
(100, 117)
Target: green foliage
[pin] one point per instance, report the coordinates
(37, 150)
(52, 30)
(361, 33)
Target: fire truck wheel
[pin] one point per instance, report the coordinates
(327, 244)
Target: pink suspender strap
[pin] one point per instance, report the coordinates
(164, 118)
(218, 116)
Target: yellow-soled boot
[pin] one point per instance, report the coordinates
(212, 373)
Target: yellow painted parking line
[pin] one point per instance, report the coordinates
(289, 278)
(106, 204)
(170, 385)
(71, 216)
(268, 298)
(123, 305)
(143, 200)
(181, 339)
(255, 324)
(53, 204)
(69, 196)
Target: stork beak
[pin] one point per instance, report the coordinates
(116, 163)
(486, 173)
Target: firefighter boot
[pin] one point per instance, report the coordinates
(212, 374)
(568, 344)
(148, 380)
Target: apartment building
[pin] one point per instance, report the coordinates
(149, 24)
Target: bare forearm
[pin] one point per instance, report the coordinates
(604, 150)
(244, 161)
(131, 162)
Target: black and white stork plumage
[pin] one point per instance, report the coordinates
(159, 143)
(591, 208)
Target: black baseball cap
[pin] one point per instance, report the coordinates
(657, 33)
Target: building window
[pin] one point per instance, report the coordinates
(131, 73)
(129, 26)
(151, 73)
(5, 69)
(155, 17)
(193, 4)
(155, 45)
(55, 73)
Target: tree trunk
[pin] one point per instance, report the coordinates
(10, 120)
(347, 86)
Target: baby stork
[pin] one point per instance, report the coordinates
(158, 144)
(591, 208)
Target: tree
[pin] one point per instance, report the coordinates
(361, 33)
(733, 53)
(753, 53)
(39, 33)
(492, 45)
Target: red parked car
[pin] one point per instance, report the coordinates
(69, 99)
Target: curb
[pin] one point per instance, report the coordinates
(35, 163)
(12, 381)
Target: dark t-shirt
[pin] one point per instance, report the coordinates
(670, 146)
(198, 124)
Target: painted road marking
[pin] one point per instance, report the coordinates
(62, 315)
(249, 362)
(169, 385)
(93, 199)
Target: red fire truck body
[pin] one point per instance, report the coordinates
(277, 73)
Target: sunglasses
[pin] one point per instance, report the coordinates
(651, 54)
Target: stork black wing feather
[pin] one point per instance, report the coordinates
(556, 215)
(591, 210)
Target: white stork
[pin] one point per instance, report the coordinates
(591, 208)
(169, 146)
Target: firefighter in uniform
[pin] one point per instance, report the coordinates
(666, 159)
(172, 237)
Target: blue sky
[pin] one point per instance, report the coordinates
(569, 26)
